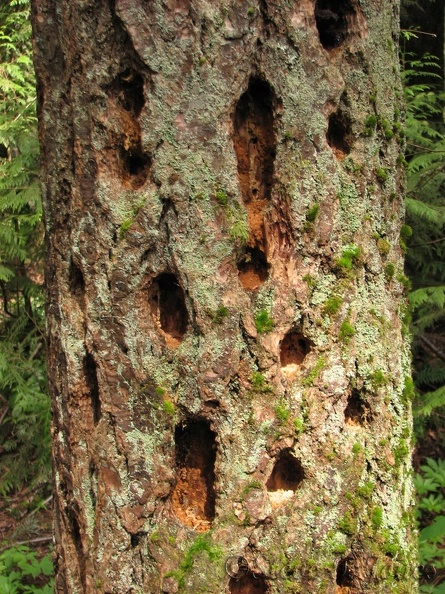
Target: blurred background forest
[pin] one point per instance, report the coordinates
(25, 468)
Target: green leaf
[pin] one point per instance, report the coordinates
(435, 532)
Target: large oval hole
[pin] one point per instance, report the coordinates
(356, 411)
(333, 19)
(167, 301)
(253, 269)
(293, 349)
(339, 134)
(287, 473)
(129, 88)
(135, 166)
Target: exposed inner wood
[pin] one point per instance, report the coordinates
(167, 303)
(193, 497)
(355, 411)
(293, 349)
(255, 148)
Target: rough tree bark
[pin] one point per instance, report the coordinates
(225, 295)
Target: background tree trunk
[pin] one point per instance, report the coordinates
(225, 295)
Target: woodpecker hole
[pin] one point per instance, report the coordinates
(193, 497)
(135, 166)
(293, 349)
(339, 135)
(255, 147)
(345, 576)
(287, 473)
(355, 411)
(167, 301)
(90, 373)
(253, 269)
(254, 140)
(135, 539)
(76, 280)
(333, 19)
(93, 484)
(249, 584)
(129, 88)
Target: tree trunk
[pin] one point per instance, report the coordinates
(227, 351)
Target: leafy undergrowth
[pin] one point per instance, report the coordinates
(430, 486)
(22, 571)
(26, 543)
(424, 238)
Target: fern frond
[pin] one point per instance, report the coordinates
(430, 401)
(427, 212)
(430, 375)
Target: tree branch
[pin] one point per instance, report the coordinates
(433, 348)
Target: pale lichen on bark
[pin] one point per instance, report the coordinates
(227, 355)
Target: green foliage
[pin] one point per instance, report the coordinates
(366, 490)
(430, 487)
(388, 131)
(298, 425)
(124, 228)
(168, 406)
(377, 517)
(408, 389)
(389, 271)
(381, 174)
(347, 524)
(309, 280)
(383, 246)
(370, 125)
(425, 229)
(236, 218)
(22, 572)
(428, 402)
(263, 322)
(357, 449)
(377, 379)
(24, 404)
(405, 232)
